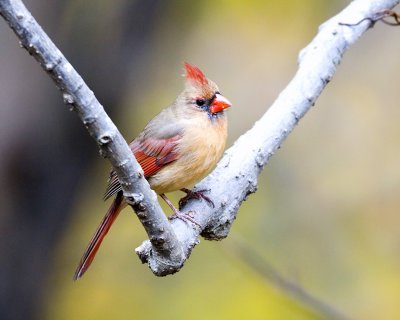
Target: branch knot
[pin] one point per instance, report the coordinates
(104, 139)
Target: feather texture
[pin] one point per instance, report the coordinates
(99, 235)
(152, 154)
(195, 75)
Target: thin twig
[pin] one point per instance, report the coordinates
(258, 264)
(378, 16)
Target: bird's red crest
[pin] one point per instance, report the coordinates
(195, 74)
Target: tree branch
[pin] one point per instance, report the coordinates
(165, 246)
(235, 177)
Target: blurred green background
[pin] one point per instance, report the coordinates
(326, 214)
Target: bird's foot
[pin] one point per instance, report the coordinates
(190, 194)
(177, 214)
(184, 217)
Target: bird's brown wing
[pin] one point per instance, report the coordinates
(152, 155)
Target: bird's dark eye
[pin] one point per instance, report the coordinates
(200, 102)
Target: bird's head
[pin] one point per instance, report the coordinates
(202, 93)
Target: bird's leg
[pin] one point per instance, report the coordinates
(177, 213)
(190, 194)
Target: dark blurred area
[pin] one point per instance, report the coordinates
(47, 152)
(326, 210)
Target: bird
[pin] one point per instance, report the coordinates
(176, 149)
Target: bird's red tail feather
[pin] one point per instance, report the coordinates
(99, 235)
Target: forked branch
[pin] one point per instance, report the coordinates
(235, 177)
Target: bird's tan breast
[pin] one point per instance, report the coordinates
(200, 148)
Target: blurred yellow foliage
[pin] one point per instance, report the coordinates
(326, 213)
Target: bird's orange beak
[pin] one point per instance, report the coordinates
(219, 103)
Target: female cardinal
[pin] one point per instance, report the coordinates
(179, 147)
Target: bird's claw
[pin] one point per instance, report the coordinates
(199, 194)
(184, 217)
